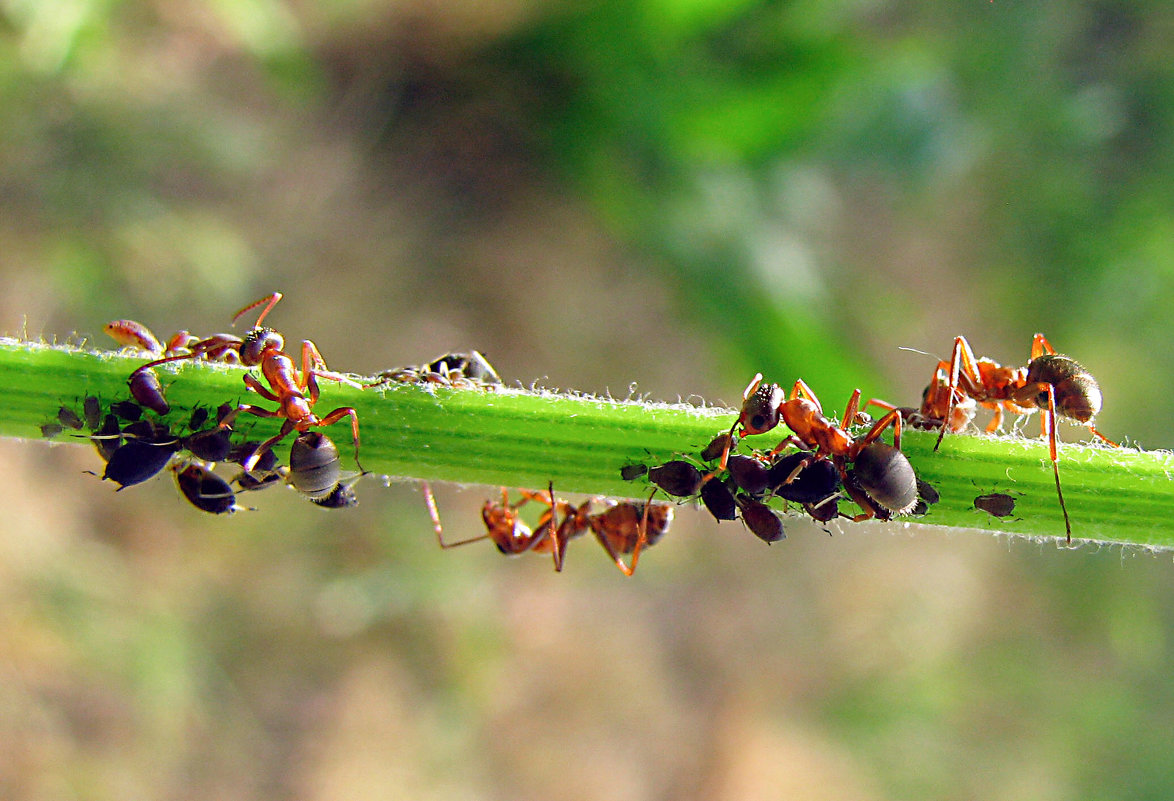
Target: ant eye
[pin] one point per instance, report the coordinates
(758, 422)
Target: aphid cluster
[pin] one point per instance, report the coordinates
(823, 461)
(820, 465)
(136, 448)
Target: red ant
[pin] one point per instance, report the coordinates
(1051, 382)
(504, 526)
(296, 391)
(623, 528)
(889, 483)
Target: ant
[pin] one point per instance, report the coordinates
(1051, 382)
(623, 528)
(296, 391)
(504, 526)
(886, 486)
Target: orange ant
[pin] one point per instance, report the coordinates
(1051, 382)
(296, 391)
(888, 485)
(623, 528)
(504, 526)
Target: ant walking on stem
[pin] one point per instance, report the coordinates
(296, 391)
(1052, 383)
(881, 481)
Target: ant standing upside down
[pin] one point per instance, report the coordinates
(296, 391)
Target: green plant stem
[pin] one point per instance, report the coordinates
(528, 438)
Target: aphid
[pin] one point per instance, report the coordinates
(92, 411)
(677, 477)
(927, 492)
(719, 500)
(265, 463)
(996, 504)
(211, 445)
(137, 460)
(1055, 384)
(765, 406)
(69, 418)
(50, 430)
(810, 483)
(718, 446)
(108, 438)
(127, 410)
(199, 417)
(762, 521)
(748, 474)
(504, 526)
(130, 334)
(258, 480)
(206, 490)
(137, 336)
(631, 472)
(146, 389)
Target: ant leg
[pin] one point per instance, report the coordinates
(1048, 429)
(338, 414)
(963, 363)
(555, 531)
(852, 409)
(801, 390)
(430, 502)
(262, 390)
(248, 464)
(269, 300)
(642, 536)
(893, 419)
(1102, 437)
(314, 365)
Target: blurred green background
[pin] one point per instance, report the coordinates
(676, 193)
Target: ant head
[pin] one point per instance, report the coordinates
(1078, 396)
(256, 342)
(760, 412)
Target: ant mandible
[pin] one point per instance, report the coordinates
(296, 391)
(889, 485)
(1051, 382)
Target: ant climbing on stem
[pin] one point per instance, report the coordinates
(296, 391)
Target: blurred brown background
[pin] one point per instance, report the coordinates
(671, 192)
